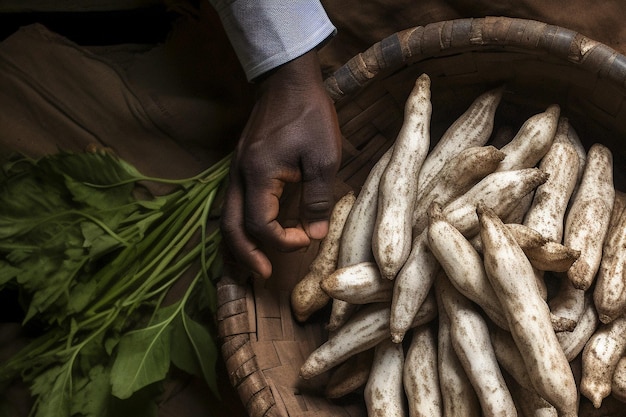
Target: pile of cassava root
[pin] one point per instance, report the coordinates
(475, 279)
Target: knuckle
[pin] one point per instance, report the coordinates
(320, 208)
(258, 229)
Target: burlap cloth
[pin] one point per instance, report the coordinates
(175, 107)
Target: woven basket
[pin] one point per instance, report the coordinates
(540, 64)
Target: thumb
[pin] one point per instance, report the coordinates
(316, 205)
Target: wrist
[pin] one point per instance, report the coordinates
(302, 72)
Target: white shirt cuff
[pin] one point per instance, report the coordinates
(269, 33)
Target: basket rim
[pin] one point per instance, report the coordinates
(235, 313)
(466, 34)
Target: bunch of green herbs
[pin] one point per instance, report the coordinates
(92, 262)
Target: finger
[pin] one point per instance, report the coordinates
(244, 249)
(317, 201)
(262, 210)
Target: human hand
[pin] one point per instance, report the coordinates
(292, 136)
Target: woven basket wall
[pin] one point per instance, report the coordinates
(540, 64)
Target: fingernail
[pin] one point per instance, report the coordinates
(317, 230)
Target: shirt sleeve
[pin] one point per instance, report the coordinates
(268, 33)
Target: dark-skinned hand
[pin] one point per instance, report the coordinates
(292, 136)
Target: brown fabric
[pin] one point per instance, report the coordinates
(78, 102)
(170, 109)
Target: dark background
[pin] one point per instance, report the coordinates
(145, 25)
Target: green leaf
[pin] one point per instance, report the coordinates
(55, 291)
(92, 352)
(33, 275)
(74, 231)
(143, 356)
(194, 350)
(53, 388)
(92, 395)
(97, 241)
(82, 293)
(102, 198)
(30, 192)
(100, 168)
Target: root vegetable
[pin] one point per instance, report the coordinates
(384, 394)
(501, 191)
(516, 215)
(619, 203)
(574, 341)
(565, 133)
(618, 383)
(478, 235)
(524, 236)
(609, 293)
(356, 240)
(420, 376)
(512, 276)
(587, 221)
(599, 360)
(509, 357)
(412, 286)
(532, 140)
(350, 375)
(457, 393)
(470, 338)
(543, 254)
(547, 212)
(472, 128)
(457, 176)
(365, 329)
(307, 296)
(528, 402)
(391, 240)
(552, 256)
(463, 264)
(340, 313)
(358, 284)
(529, 240)
(567, 306)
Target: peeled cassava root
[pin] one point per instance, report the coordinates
(485, 277)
